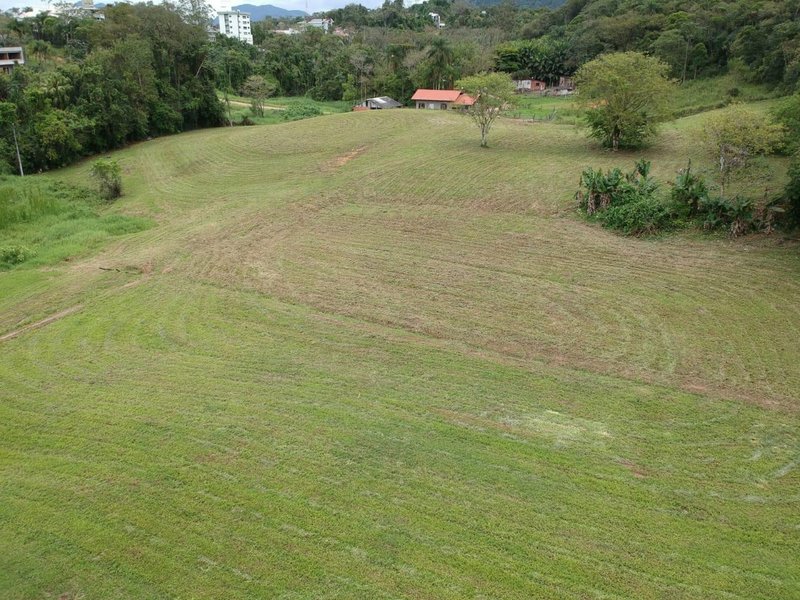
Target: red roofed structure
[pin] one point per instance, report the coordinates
(441, 99)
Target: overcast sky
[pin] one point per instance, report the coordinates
(313, 5)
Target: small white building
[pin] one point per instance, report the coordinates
(380, 103)
(82, 10)
(437, 20)
(235, 24)
(324, 24)
(10, 57)
(88, 8)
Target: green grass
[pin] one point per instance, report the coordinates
(53, 222)
(326, 106)
(545, 108)
(361, 357)
(695, 96)
(275, 108)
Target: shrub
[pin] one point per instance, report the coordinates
(734, 138)
(300, 110)
(788, 114)
(626, 202)
(791, 195)
(738, 215)
(690, 190)
(15, 254)
(108, 175)
(644, 216)
(614, 187)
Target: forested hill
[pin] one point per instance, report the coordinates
(762, 37)
(88, 86)
(697, 38)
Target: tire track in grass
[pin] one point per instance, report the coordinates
(659, 338)
(560, 533)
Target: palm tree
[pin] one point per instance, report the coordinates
(440, 63)
(59, 89)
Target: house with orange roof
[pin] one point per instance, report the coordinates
(441, 99)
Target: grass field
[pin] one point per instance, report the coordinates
(358, 356)
(274, 107)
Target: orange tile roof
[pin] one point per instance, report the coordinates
(436, 95)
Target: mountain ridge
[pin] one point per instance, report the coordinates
(259, 12)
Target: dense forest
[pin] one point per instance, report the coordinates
(148, 70)
(93, 85)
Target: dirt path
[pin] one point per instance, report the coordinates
(46, 321)
(247, 105)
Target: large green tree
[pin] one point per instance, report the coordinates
(625, 96)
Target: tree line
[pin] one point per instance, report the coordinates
(149, 70)
(90, 86)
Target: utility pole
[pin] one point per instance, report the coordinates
(16, 145)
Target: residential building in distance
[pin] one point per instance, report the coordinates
(10, 57)
(88, 8)
(437, 20)
(441, 99)
(529, 85)
(81, 10)
(324, 24)
(235, 24)
(380, 103)
(566, 83)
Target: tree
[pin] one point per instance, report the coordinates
(438, 66)
(258, 89)
(8, 117)
(493, 93)
(788, 114)
(543, 59)
(625, 95)
(792, 194)
(735, 136)
(107, 173)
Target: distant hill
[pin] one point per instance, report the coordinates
(264, 11)
(523, 3)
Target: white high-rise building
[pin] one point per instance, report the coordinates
(235, 24)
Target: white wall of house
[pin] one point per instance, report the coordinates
(324, 24)
(433, 105)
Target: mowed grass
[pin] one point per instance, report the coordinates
(545, 108)
(360, 357)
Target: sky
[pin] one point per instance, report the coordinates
(313, 5)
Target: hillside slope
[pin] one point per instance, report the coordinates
(360, 356)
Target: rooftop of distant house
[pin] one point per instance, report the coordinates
(455, 96)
